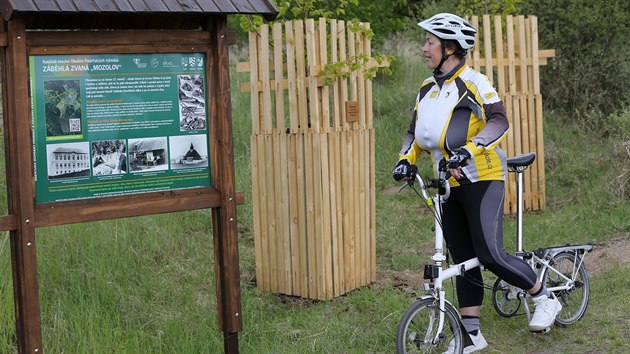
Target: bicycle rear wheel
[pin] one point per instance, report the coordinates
(574, 300)
(418, 329)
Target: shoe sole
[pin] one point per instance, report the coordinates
(540, 331)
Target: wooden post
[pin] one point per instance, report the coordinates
(224, 217)
(21, 189)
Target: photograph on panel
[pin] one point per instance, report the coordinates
(188, 151)
(63, 107)
(148, 154)
(192, 102)
(68, 160)
(109, 157)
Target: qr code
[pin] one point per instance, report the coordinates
(75, 124)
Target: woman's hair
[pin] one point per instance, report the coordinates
(457, 49)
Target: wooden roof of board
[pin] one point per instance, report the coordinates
(77, 8)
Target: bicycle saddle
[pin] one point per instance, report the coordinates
(521, 160)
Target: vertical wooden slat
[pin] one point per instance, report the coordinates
(487, 41)
(256, 204)
(313, 94)
(356, 207)
(326, 234)
(535, 60)
(272, 236)
(336, 214)
(267, 123)
(352, 52)
(476, 49)
(316, 202)
(524, 113)
(373, 203)
(311, 222)
(539, 114)
(291, 78)
(368, 86)
(364, 210)
(273, 174)
(337, 103)
(500, 55)
(348, 225)
(540, 150)
(253, 77)
(306, 266)
(301, 77)
(514, 96)
(369, 155)
(294, 215)
(302, 212)
(325, 91)
(360, 77)
(534, 176)
(259, 155)
(279, 77)
(344, 83)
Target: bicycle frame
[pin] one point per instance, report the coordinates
(439, 256)
(540, 258)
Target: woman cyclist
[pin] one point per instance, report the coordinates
(459, 116)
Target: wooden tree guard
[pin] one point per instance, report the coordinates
(313, 167)
(511, 60)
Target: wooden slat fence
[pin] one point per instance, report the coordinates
(507, 52)
(313, 169)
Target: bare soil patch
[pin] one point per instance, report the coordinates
(603, 257)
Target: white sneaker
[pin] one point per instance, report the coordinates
(547, 308)
(479, 342)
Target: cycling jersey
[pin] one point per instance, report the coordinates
(459, 109)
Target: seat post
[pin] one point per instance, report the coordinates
(519, 210)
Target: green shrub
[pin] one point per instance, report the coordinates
(587, 80)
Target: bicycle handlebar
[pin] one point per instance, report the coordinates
(440, 183)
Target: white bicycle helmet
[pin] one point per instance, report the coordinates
(451, 27)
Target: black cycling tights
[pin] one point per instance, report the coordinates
(473, 227)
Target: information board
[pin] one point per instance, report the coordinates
(118, 124)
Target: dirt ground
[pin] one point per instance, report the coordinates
(603, 257)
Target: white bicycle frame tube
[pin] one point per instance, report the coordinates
(519, 212)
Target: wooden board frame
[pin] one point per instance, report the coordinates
(24, 216)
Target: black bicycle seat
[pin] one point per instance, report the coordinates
(521, 160)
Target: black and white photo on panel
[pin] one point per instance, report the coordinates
(68, 160)
(148, 154)
(188, 151)
(109, 157)
(192, 102)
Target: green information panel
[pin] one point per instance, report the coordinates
(118, 124)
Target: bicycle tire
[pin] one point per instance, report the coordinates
(575, 300)
(423, 317)
(502, 301)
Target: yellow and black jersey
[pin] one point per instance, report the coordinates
(459, 109)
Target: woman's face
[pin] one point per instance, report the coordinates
(432, 51)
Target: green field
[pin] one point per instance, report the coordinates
(147, 284)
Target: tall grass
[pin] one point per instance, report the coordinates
(147, 284)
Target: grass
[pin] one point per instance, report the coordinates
(147, 284)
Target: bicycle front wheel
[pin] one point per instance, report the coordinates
(575, 299)
(419, 326)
